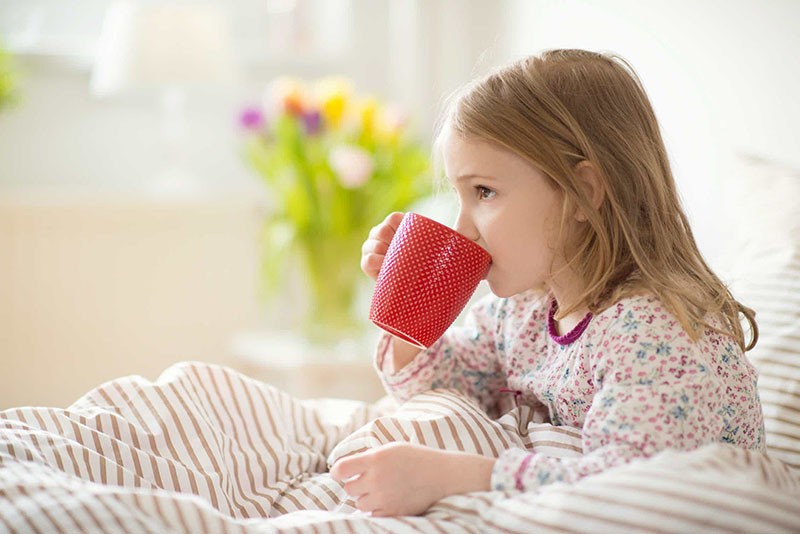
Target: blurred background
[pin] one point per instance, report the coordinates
(133, 201)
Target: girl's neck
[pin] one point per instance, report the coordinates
(565, 296)
(569, 328)
(570, 321)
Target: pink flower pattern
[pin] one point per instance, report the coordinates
(633, 381)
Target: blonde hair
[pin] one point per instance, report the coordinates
(564, 107)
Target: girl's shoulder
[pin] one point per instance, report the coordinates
(644, 316)
(643, 311)
(646, 304)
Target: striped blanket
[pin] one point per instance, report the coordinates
(206, 449)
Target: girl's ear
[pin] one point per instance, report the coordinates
(590, 180)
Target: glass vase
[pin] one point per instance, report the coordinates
(333, 286)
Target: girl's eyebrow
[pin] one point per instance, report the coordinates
(481, 176)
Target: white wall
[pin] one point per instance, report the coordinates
(722, 76)
(406, 51)
(98, 280)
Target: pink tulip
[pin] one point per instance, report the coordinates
(353, 165)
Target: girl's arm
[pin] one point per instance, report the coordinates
(657, 391)
(402, 354)
(465, 359)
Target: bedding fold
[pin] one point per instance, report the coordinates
(207, 449)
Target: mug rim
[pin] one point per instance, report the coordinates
(469, 242)
(400, 334)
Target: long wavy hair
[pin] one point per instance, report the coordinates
(563, 107)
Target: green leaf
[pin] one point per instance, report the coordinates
(277, 239)
(8, 80)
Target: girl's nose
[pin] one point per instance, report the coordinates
(465, 226)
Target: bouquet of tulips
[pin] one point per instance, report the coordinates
(335, 164)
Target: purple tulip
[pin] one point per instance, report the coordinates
(251, 119)
(312, 121)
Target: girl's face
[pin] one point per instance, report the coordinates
(507, 207)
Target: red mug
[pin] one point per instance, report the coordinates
(427, 277)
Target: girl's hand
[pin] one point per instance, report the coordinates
(406, 479)
(374, 249)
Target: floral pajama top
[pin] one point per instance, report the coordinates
(633, 381)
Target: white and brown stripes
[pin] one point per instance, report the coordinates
(205, 449)
(447, 420)
(246, 449)
(775, 295)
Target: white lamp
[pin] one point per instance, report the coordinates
(169, 48)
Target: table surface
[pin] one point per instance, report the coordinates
(289, 362)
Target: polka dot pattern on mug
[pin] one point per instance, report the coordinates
(428, 275)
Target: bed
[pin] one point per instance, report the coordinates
(207, 449)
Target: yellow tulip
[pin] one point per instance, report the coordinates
(368, 109)
(333, 95)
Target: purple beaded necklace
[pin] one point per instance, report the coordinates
(570, 336)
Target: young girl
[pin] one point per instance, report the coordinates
(604, 313)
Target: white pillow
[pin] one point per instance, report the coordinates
(763, 270)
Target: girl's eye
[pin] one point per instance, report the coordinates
(484, 193)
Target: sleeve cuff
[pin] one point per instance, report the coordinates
(406, 374)
(509, 470)
(383, 350)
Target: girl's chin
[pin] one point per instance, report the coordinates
(504, 290)
(499, 291)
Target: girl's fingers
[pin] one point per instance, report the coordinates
(347, 468)
(375, 247)
(357, 487)
(372, 246)
(380, 513)
(393, 219)
(366, 503)
(386, 230)
(371, 265)
(382, 232)
(372, 254)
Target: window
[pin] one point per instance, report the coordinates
(264, 30)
